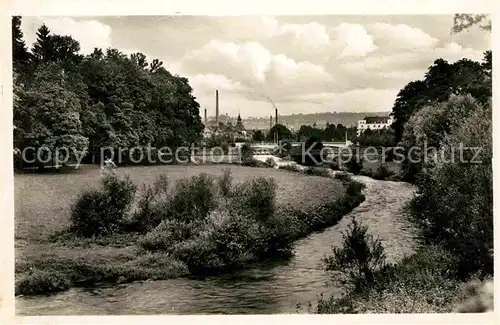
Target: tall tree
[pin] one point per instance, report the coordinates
(20, 54)
(282, 131)
(42, 48)
(408, 100)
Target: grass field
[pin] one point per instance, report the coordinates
(43, 204)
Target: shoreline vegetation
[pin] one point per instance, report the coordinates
(202, 225)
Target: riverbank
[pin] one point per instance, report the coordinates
(48, 264)
(262, 288)
(420, 280)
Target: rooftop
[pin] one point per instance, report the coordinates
(376, 119)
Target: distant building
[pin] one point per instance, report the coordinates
(374, 123)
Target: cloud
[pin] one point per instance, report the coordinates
(413, 60)
(89, 33)
(312, 35)
(402, 36)
(352, 40)
(304, 64)
(253, 65)
(206, 83)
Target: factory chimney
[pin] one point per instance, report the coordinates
(217, 107)
(276, 110)
(206, 117)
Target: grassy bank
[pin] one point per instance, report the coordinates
(421, 283)
(202, 224)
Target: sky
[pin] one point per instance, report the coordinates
(299, 64)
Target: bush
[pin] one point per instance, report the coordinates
(343, 176)
(193, 199)
(270, 162)
(354, 165)
(382, 172)
(420, 283)
(309, 157)
(457, 211)
(246, 153)
(152, 205)
(256, 197)
(39, 282)
(335, 165)
(255, 163)
(316, 171)
(225, 182)
(167, 234)
(103, 211)
(359, 258)
(291, 167)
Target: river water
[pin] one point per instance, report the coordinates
(269, 289)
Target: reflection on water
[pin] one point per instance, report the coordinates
(266, 289)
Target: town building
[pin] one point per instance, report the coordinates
(374, 123)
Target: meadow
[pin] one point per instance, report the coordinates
(43, 209)
(43, 201)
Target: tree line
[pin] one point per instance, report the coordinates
(331, 132)
(63, 98)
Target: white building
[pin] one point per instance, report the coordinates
(374, 123)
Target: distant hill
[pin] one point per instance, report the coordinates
(296, 120)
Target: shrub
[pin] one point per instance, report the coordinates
(309, 154)
(366, 172)
(359, 258)
(255, 163)
(335, 165)
(270, 162)
(246, 153)
(291, 167)
(256, 197)
(225, 182)
(354, 165)
(193, 199)
(343, 176)
(103, 211)
(457, 211)
(382, 172)
(323, 172)
(167, 234)
(39, 282)
(152, 205)
(146, 216)
(390, 154)
(420, 283)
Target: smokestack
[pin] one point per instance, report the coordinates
(217, 106)
(205, 116)
(270, 122)
(276, 116)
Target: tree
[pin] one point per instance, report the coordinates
(139, 59)
(473, 78)
(49, 116)
(457, 212)
(408, 100)
(463, 22)
(440, 80)
(358, 259)
(258, 136)
(155, 65)
(64, 49)
(281, 131)
(107, 97)
(42, 48)
(20, 54)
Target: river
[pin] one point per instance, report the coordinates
(269, 289)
